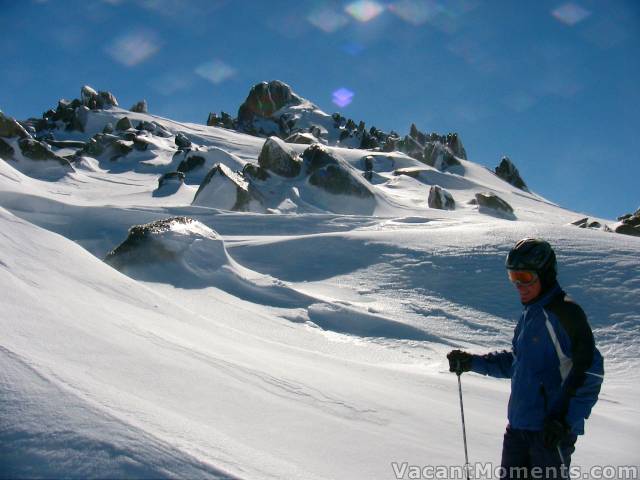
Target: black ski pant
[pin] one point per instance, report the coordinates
(524, 456)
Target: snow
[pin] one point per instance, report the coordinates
(297, 344)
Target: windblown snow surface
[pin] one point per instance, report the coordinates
(308, 345)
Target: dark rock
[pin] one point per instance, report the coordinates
(108, 128)
(143, 236)
(438, 156)
(331, 173)
(279, 158)
(120, 148)
(129, 135)
(492, 201)
(455, 145)
(594, 224)
(582, 222)
(317, 156)
(627, 229)
(255, 171)
(9, 128)
(140, 143)
(190, 163)
(6, 150)
(97, 100)
(182, 141)
(140, 107)
(213, 120)
(509, 173)
(64, 143)
(124, 124)
(441, 199)
(40, 151)
(368, 141)
(338, 180)
(171, 177)
(413, 148)
(264, 99)
(154, 128)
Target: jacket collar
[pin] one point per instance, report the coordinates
(544, 298)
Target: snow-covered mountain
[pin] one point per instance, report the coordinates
(262, 298)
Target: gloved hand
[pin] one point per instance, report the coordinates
(554, 431)
(459, 361)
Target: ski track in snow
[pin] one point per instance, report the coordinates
(315, 350)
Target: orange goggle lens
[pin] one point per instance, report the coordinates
(522, 277)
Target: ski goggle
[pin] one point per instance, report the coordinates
(522, 277)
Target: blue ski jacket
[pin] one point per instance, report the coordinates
(555, 368)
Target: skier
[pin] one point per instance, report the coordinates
(555, 368)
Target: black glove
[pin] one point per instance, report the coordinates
(554, 431)
(459, 361)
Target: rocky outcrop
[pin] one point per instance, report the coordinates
(154, 128)
(331, 173)
(124, 124)
(509, 173)
(302, 138)
(182, 141)
(108, 145)
(97, 100)
(255, 172)
(171, 178)
(493, 202)
(439, 156)
(441, 199)
(10, 128)
(629, 224)
(192, 162)
(6, 150)
(263, 100)
(277, 157)
(228, 190)
(140, 107)
(224, 120)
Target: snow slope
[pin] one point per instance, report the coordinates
(278, 346)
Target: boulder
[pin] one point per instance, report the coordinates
(627, 229)
(255, 172)
(154, 128)
(141, 245)
(97, 100)
(439, 156)
(141, 143)
(331, 173)
(630, 224)
(581, 222)
(124, 124)
(264, 99)
(441, 199)
(140, 107)
(39, 151)
(224, 189)
(171, 178)
(493, 202)
(10, 128)
(182, 141)
(509, 173)
(191, 163)
(6, 150)
(108, 128)
(277, 157)
(302, 138)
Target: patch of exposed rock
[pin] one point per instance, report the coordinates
(228, 190)
(441, 199)
(510, 174)
(277, 157)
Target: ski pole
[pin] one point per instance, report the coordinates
(464, 429)
(562, 462)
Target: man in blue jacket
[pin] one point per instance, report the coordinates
(555, 368)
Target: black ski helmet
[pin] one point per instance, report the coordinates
(535, 255)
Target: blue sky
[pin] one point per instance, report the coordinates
(551, 84)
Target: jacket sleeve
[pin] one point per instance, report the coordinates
(581, 387)
(495, 364)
